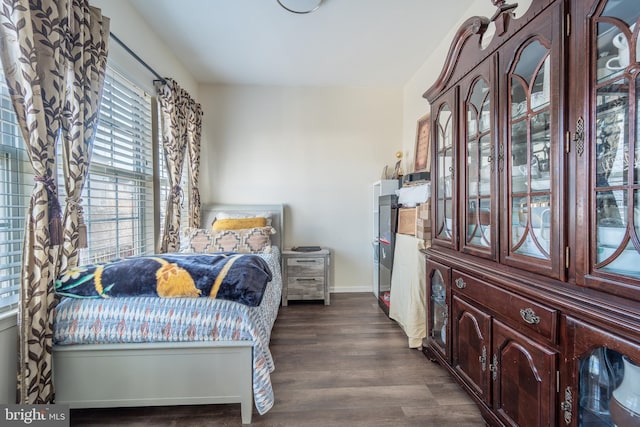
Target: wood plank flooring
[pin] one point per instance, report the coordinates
(345, 364)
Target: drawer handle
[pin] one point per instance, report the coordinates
(529, 316)
(461, 284)
(300, 279)
(305, 260)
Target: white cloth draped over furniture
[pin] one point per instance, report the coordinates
(408, 292)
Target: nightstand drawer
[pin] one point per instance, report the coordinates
(306, 287)
(305, 267)
(306, 282)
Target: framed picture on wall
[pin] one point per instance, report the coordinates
(422, 158)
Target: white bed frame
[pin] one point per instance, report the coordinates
(162, 374)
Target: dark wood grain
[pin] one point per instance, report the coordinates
(346, 364)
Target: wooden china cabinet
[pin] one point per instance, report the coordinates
(533, 274)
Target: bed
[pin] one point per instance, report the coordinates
(150, 368)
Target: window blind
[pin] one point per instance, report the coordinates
(16, 182)
(118, 196)
(118, 193)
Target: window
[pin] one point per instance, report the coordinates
(16, 182)
(118, 196)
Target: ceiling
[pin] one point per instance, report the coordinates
(359, 43)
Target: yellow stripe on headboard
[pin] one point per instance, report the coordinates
(222, 275)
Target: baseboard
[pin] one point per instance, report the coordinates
(343, 290)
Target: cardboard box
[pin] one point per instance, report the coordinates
(407, 221)
(423, 229)
(424, 210)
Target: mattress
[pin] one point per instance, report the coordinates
(151, 319)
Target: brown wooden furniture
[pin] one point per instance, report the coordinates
(533, 275)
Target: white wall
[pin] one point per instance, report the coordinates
(128, 26)
(317, 150)
(414, 105)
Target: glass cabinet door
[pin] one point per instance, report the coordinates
(530, 149)
(603, 381)
(533, 162)
(438, 292)
(439, 310)
(445, 233)
(600, 371)
(479, 172)
(615, 152)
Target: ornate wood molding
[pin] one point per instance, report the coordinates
(503, 15)
(475, 25)
(506, 24)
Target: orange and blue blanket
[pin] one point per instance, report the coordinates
(230, 276)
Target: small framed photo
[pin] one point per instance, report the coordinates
(422, 159)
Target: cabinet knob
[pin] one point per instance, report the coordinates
(461, 284)
(529, 316)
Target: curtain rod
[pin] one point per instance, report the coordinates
(137, 58)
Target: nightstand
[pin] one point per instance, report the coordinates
(305, 275)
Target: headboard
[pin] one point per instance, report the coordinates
(208, 213)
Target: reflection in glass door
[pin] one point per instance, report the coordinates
(601, 372)
(445, 165)
(531, 165)
(480, 166)
(439, 310)
(616, 157)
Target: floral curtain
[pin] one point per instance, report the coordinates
(86, 70)
(194, 132)
(35, 36)
(176, 108)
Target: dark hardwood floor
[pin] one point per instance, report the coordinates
(345, 364)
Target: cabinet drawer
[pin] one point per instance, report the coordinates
(305, 287)
(520, 312)
(305, 267)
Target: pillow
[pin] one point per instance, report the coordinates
(232, 215)
(255, 240)
(239, 223)
(240, 215)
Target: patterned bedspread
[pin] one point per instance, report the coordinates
(152, 319)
